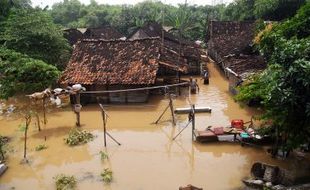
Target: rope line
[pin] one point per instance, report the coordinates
(134, 89)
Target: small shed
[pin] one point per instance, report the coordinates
(113, 65)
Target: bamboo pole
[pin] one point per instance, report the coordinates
(171, 109)
(193, 122)
(44, 110)
(38, 121)
(28, 120)
(78, 103)
(104, 119)
(104, 128)
(156, 122)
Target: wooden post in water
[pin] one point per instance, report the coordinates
(193, 122)
(28, 120)
(38, 121)
(44, 110)
(104, 126)
(171, 109)
(104, 119)
(77, 111)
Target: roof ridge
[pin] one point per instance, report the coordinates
(118, 40)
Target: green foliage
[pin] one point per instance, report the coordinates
(64, 182)
(22, 74)
(40, 147)
(191, 19)
(240, 10)
(274, 10)
(77, 137)
(103, 155)
(32, 32)
(7, 5)
(127, 18)
(277, 9)
(284, 86)
(107, 175)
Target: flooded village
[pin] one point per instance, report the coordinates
(149, 109)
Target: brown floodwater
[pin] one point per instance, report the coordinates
(148, 158)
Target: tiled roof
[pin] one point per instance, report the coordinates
(242, 65)
(113, 62)
(72, 35)
(172, 60)
(229, 37)
(104, 32)
(170, 40)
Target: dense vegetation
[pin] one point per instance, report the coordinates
(190, 19)
(284, 87)
(21, 73)
(32, 48)
(32, 32)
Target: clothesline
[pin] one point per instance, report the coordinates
(135, 89)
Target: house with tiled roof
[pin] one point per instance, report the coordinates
(185, 51)
(101, 65)
(230, 46)
(229, 37)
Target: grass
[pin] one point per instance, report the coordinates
(77, 137)
(64, 182)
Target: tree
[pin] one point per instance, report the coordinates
(239, 10)
(276, 9)
(284, 86)
(21, 74)
(7, 5)
(32, 32)
(67, 11)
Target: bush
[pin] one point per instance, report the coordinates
(103, 155)
(22, 74)
(106, 175)
(77, 137)
(64, 182)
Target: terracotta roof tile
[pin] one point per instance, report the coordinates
(113, 62)
(104, 32)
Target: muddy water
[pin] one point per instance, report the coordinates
(147, 159)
